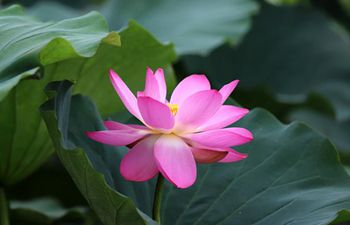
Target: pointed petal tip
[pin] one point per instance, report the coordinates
(113, 125)
(243, 111)
(113, 76)
(242, 132)
(91, 134)
(233, 156)
(250, 135)
(233, 84)
(238, 154)
(235, 81)
(112, 72)
(160, 70)
(227, 89)
(247, 135)
(149, 71)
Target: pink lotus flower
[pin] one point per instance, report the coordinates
(177, 133)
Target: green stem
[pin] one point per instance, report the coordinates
(157, 200)
(4, 213)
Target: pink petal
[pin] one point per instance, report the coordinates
(227, 89)
(159, 75)
(126, 96)
(151, 86)
(221, 138)
(197, 109)
(233, 156)
(188, 87)
(139, 163)
(113, 125)
(225, 116)
(175, 161)
(155, 114)
(117, 137)
(208, 156)
(141, 94)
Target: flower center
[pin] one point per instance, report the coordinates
(173, 108)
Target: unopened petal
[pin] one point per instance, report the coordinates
(151, 86)
(139, 163)
(126, 96)
(188, 87)
(175, 161)
(155, 114)
(225, 116)
(159, 75)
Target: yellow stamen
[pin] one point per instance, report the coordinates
(173, 108)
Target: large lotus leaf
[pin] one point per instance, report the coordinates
(194, 26)
(292, 175)
(337, 132)
(293, 53)
(23, 137)
(335, 127)
(290, 50)
(26, 42)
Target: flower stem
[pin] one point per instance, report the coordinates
(4, 213)
(157, 199)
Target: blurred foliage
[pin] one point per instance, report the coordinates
(293, 61)
(302, 61)
(193, 26)
(346, 5)
(337, 131)
(23, 137)
(46, 211)
(288, 2)
(25, 141)
(51, 179)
